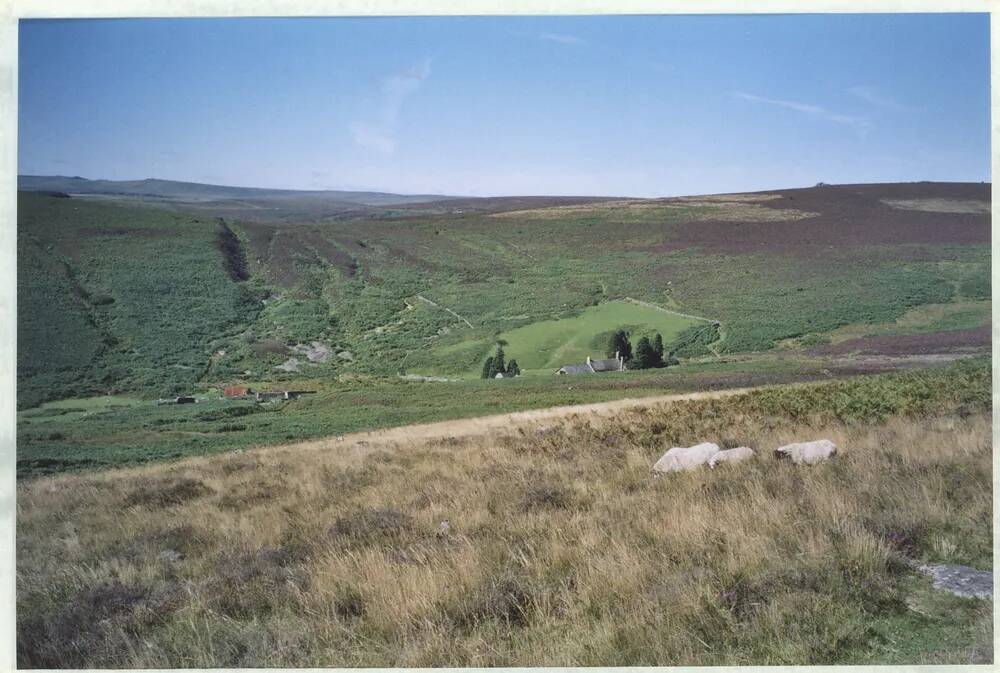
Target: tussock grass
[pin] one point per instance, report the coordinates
(562, 549)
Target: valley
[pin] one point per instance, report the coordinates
(123, 297)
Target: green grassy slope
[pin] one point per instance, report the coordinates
(552, 343)
(430, 293)
(114, 298)
(56, 331)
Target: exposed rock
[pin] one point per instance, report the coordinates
(171, 555)
(737, 455)
(291, 365)
(345, 355)
(960, 580)
(680, 458)
(808, 453)
(315, 351)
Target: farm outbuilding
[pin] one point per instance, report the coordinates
(591, 366)
(281, 394)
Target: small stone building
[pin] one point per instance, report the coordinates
(591, 366)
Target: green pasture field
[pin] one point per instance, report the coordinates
(552, 343)
(98, 433)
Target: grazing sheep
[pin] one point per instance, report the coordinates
(678, 459)
(736, 455)
(808, 453)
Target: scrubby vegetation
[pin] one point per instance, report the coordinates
(560, 548)
(123, 298)
(103, 432)
(120, 297)
(695, 340)
(115, 298)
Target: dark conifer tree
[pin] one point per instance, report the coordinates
(499, 361)
(658, 345)
(620, 344)
(645, 356)
(487, 368)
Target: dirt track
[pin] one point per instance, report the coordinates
(483, 425)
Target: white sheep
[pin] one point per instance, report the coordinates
(808, 453)
(679, 459)
(737, 455)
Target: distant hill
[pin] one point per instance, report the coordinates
(118, 296)
(282, 205)
(195, 191)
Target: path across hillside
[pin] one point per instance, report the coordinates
(647, 304)
(443, 308)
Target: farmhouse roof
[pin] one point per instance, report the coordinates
(615, 364)
(576, 369)
(609, 365)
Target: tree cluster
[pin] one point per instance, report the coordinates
(619, 344)
(648, 354)
(497, 364)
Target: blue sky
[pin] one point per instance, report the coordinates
(638, 106)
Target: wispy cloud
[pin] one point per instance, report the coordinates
(876, 97)
(374, 137)
(558, 38)
(379, 133)
(561, 38)
(859, 123)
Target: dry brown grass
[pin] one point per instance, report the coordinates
(726, 208)
(562, 549)
(745, 198)
(720, 209)
(941, 205)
